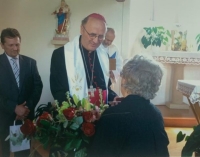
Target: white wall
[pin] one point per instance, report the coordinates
(37, 26)
(167, 13)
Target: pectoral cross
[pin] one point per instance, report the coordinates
(92, 90)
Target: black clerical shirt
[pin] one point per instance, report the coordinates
(98, 77)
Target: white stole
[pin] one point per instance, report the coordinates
(76, 71)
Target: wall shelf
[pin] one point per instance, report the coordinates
(59, 42)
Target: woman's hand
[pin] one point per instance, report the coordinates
(115, 102)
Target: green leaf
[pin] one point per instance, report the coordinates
(65, 124)
(53, 155)
(65, 105)
(86, 104)
(61, 117)
(83, 102)
(71, 135)
(85, 138)
(76, 143)
(81, 153)
(186, 138)
(149, 31)
(180, 136)
(155, 30)
(79, 103)
(168, 33)
(198, 48)
(198, 40)
(154, 43)
(145, 42)
(52, 128)
(74, 126)
(45, 123)
(193, 142)
(105, 106)
(76, 100)
(68, 145)
(166, 39)
(43, 140)
(198, 36)
(159, 43)
(78, 120)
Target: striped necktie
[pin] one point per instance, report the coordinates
(15, 70)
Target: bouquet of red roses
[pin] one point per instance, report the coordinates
(66, 128)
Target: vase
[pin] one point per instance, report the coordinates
(37, 149)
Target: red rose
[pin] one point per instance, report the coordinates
(44, 116)
(87, 116)
(28, 128)
(69, 113)
(88, 129)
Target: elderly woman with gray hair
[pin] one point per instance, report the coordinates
(134, 127)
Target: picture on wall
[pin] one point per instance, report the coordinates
(179, 40)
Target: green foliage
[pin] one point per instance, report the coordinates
(192, 142)
(61, 128)
(180, 137)
(60, 133)
(86, 104)
(155, 36)
(198, 41)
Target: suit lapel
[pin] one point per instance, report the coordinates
(5, 62)
(22, 70)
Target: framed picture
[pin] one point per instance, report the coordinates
(179, 40)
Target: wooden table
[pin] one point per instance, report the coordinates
(191, 89)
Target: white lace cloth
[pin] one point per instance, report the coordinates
(191, 88)
(177, 57)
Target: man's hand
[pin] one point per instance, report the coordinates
(22, 110)
(20, 118)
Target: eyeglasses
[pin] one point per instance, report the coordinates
(93, 36)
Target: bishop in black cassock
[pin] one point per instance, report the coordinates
(59, 82)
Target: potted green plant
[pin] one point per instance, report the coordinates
(198, 41)
(192, 142)
(155, 36)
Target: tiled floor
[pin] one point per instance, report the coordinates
(173, 147)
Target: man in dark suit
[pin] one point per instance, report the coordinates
(20, 87)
